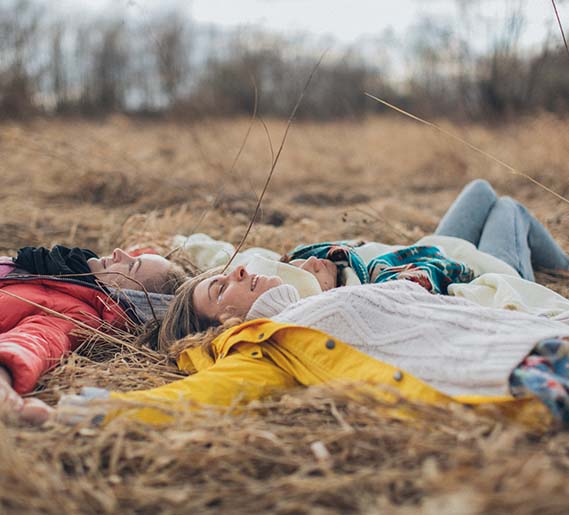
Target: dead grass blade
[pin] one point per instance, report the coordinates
(221, 189)
(560, 26)
(469, 145)
(276, 160)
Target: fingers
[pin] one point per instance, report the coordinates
(31, 410)
(35, 412)
(10, 401)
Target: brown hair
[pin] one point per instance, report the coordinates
(180, 319)
(174, 279)
(203, 339)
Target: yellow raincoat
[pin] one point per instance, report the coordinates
(259, 357)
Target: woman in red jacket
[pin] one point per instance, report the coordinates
(44, 293)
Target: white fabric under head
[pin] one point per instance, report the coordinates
(303, 281)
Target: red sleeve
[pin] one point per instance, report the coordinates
(34, 346)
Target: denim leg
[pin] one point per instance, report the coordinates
(515, 236)
(505, 236)
(545, 251)
(467, 215)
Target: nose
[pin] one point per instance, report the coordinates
(312, 263)
(120, 255)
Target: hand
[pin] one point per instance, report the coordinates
(82, 408)
(31, 410)
(36, 412)
(10, 401)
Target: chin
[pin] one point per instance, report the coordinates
(94, 265)
(274, 281)
(269, 282)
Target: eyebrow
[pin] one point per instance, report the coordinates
(209, 288)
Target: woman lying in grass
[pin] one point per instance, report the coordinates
(487, 234)
(428, 348)
(45, 295)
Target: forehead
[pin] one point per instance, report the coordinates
(201, 300)
(152, 264)
(153, 259)
(203, 287)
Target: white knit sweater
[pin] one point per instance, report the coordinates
(457, 346)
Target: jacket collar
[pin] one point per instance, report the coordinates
(258, 331)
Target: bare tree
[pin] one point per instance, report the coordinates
(19, 67)
(109, 73)
(57, 69)
(172, 52)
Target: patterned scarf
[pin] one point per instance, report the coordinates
(424, 265)
(341, 253)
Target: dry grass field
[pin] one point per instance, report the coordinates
(118, 182)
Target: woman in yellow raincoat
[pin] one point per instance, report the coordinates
(424, 347)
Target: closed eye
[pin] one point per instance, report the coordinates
(132, 264)
(220, 292)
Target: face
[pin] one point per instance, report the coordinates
(147, 269)
(324, 270)
(231, 294)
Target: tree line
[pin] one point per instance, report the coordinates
(167, 65)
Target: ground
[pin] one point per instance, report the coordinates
(122, 181)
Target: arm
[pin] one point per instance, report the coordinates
(32, 347)
(238, 378)
(425, 265)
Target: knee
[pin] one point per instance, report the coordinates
(508, 203)
(480, 187)
(508, 200)
(513, 204)
(479, 193)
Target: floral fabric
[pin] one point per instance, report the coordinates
(545, 374)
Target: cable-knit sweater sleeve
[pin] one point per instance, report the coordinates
(273, 301)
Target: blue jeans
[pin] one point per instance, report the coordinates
(504, 228)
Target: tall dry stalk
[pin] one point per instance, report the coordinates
(560, 25)
(275, 160)
(511, 169)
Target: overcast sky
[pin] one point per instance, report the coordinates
(346, 20)
(350, 19)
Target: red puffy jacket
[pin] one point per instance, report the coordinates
(31, 340)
